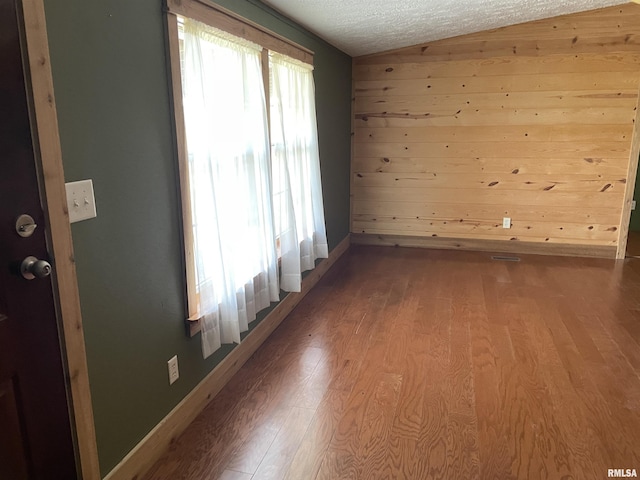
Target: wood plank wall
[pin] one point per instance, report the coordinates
(533, 122)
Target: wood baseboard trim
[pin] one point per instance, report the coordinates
(157, 441)
(503, 246)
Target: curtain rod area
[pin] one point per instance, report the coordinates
(203, 10)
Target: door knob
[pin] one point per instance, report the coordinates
(31, 268)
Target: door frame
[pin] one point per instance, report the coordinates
(53, 195)
(632, 171)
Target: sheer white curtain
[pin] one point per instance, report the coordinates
(298, 206)
(229, 171)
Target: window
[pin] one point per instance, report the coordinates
(249, 167)
(297, 193)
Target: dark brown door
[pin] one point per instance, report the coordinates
(35, 433)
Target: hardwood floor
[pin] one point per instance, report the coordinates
(419, 364)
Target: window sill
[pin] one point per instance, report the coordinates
(193, 323)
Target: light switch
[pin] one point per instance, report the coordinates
(80, 200)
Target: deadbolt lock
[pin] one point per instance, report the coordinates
(25, 225)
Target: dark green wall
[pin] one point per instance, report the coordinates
(634, 224)
(110, 77)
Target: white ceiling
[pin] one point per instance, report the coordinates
(361, 27)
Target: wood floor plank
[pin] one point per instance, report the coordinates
(279, 456)
(585, 450)
(493, 447)
(622, 339)
(491, 303)
(423, 364)
(308, 458)
(372, 451)
(408, 418)
(462, 447)
(536, 419)
(432, 315)
(467, 283)
(232, 475)
(249, 455)
(462, 430)
(601, 417)
(460, 393)
(432, 444)
(402, 331)
(403, 458)
(616, 363)
(578, 330)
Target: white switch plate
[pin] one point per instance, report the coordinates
(80, 200)
(506, 222)
(633, 204)
(174, 373)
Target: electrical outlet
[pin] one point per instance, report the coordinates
(506, 222)
(81, 202)
(633, 204)
(174, 373)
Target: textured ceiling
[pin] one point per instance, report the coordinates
(361, 27)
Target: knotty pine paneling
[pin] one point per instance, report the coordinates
(534, 121)
(541, 82)
(524, 213)
(514, 165)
